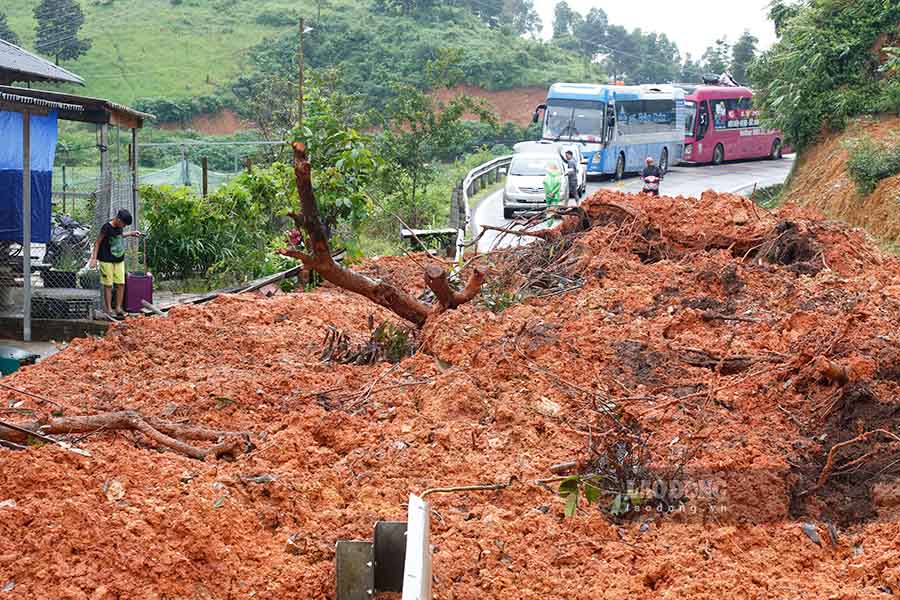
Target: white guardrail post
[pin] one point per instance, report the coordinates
(475, 175)
(417, 568)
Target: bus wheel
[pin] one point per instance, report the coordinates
(620, 167)
(664, 161)
(776, 150)
(718, 155)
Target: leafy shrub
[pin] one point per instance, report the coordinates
(180, 111)
(277, 18)
(824, 67)
(231, 235)
(769, 196)
(869, 162)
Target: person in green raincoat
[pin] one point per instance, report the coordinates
(552, 185)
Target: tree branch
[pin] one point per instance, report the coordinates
(318, 257)
(164, 434)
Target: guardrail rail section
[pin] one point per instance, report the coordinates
(474, 181)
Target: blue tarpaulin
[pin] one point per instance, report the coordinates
(43, 151)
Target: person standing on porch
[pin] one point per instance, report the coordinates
(109, 251)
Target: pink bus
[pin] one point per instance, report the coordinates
(721, 124)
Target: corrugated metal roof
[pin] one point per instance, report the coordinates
(84, 103)
(39, 102)
(17, 64)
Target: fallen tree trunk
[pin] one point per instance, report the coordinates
(169, 435)
(317, 256)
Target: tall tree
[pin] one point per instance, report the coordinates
(58, 22)
(623, 52)
(742, 54)
(780, 11)
(717, 58)
(591, 32)
(564, 20)
(691, 70)
(523, 17)
(416, 128)
(6, 33)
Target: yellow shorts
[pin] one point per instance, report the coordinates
(112, 273)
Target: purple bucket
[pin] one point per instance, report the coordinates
(138, 287)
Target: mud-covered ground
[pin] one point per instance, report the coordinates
(740, 347)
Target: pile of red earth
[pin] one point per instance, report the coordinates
(742, 345)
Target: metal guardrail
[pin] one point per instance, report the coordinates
(474, 181)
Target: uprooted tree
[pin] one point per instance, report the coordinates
(316, 255)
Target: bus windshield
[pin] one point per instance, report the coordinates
(690, 116)
(573, 120)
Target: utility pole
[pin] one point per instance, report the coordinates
(300, 82)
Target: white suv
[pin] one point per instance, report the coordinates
(524, 190)
(549, 146)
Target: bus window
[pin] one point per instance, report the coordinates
(587, 123)
(556, 121)
(610, 121)
(573, 119)
(690, 118)
(703, 120)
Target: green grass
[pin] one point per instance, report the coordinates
(768, 197)
(149, 48)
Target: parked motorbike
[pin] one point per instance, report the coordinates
(651, 185)
(69, 242)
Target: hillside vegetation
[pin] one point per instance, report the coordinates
(152, 49)
(833, 61)
(823, 180)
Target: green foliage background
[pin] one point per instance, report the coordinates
(827, 67)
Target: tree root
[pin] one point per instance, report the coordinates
(829, 462)
(169, 435)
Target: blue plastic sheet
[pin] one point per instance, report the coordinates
(43, 151)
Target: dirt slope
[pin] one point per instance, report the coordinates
(223, 122)
(707, 326)
(820, 180)
(510, 106)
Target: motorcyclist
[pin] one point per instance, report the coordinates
(651, 170)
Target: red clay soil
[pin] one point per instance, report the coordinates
(223, 122)
(820, 180)
(514, 105)
(491, 397)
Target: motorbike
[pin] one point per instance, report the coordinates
(651, 185)
(69, 242)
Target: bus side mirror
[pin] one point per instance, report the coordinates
(535, 117)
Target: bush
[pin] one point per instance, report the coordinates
(824, 69)
(231, 235)
(870, 162)
(277, 18)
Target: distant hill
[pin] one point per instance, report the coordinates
(182, 49)
(152, 48)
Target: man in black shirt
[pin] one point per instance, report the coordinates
(109, 250)
(572, 168)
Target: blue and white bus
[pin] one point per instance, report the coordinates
(617, 126)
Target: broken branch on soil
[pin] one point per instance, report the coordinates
(481, 487)
(169, 435)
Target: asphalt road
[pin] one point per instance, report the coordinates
(738, 177)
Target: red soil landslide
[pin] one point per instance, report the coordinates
(750, 341)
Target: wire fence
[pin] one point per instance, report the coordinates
(62, 285)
